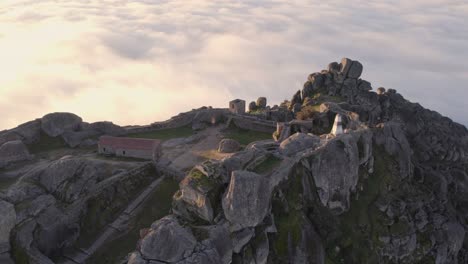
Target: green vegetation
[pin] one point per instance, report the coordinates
(288, 221)
(19, 254)
(103, 209)
(363, 224)
(309, 112)
(157, 206)
(46, 143)
(268, 165)
(5, 183)
(201, 180)
(165, 134)
(245, 137)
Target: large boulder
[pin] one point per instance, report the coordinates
(228, 145)
(350, 68)
(252, 106)
(7, 222)
(13, 151)
(299, 142)
(29, 132)
(356, 70)
(74, 139)
(247, 199)
(55, 124)
(8, 136)
(167, 241)
(335, 171)
(107, 128)
(261, 102)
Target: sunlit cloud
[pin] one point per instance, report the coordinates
(136, 62)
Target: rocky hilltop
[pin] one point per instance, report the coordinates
(389, 186)
(391, 189)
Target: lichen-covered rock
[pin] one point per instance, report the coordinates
(228, 145)
(55, 124)
(7, 222)
(13, 151)
(191, 200)
(335, 171)
(246, 201)
(167, 241)
(298, 142)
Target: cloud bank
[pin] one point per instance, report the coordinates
(136, 62)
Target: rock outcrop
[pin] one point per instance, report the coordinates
(173, 241)
(391, 189)
(58, 202)
(299, 142)
(228, 145)
(7, 223)
(245, 203)
(55, 124)
(13, 151)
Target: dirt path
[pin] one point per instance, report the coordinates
(203, 150)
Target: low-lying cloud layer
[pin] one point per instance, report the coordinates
(135, 62)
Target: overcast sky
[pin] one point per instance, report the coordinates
(136, 62)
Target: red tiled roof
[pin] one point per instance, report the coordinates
(128, 143)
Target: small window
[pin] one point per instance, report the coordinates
(123, 152)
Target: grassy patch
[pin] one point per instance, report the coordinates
(19, 254)
(106, 207)
(268, 165)
(363, 224)
(5, 183)
(165, 134)
(245, 137)
(288, 222)
(46, 143)
(156, 207)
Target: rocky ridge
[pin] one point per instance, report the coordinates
(391, 189)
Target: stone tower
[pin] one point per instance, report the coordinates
(237, 106)
(337, 126)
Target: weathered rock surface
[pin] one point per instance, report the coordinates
(228, 145)
(7, 222)
(55, 124)
(13, 151)
(28, 133)
(335, 171)
(53, 201)
(299, 142)
(167, 241)
(245, 203)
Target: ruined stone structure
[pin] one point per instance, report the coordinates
(130, 147)
(237, 106)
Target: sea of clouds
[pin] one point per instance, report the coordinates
(136, 62)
